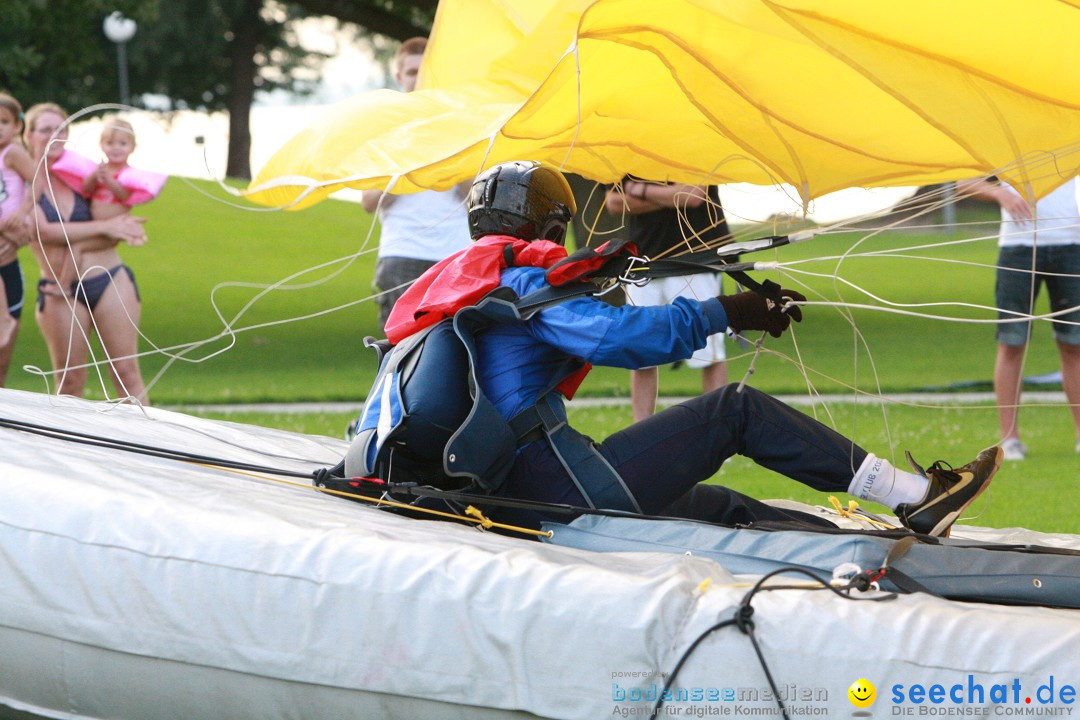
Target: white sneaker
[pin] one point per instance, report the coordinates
(1016, 450)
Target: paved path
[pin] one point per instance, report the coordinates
(903, 398)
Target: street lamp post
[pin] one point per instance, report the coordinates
(120, 30)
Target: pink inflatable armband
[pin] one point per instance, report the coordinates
(144, 185)
(73, 168)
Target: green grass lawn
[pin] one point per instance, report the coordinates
(304, 341)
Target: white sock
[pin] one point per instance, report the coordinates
(877, 480)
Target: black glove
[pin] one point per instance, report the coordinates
(752, 311)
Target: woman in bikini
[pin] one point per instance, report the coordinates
(84, 286)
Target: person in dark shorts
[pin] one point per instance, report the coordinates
(1034, 249)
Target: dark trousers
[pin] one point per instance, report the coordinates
(663, 459)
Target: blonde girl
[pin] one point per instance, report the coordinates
(107, 196)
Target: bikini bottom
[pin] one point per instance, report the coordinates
(89, 290)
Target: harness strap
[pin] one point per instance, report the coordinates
(597, 481)
(906, 583)
(768, 289)
(549, 295)
(536, 421)
(900, 579)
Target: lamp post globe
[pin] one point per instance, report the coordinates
(120, 30)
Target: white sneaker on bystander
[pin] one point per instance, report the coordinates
(1016, 450)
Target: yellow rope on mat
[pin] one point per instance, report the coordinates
(849, 512)
(480, 518)
(473, 515)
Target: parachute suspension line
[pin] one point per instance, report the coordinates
(136, 448)
(846, 309)
(939, 198)
(487, 151)
(229, 330)
(803, 368)
(176, 352)
(574, 48)
(758, 344)
(858, 340)
(894, 401)
(800, 365)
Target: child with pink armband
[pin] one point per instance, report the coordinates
(115, 187)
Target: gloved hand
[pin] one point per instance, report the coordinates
(752, 311)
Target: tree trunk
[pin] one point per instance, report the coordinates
(242, 57)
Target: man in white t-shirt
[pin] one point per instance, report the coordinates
(1051, 238)
(419, 229)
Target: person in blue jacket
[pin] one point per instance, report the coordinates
(659, 465)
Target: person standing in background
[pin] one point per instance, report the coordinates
(419, 229)
(664, 218)
(84, 286)
(1034, 249)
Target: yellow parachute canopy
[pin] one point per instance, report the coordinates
(819, 94)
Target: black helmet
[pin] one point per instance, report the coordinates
(524, 199)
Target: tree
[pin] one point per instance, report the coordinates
(197, 54)
(215, 55)
(398, 20)
(55, 50)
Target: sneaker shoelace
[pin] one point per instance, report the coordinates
(943, 471)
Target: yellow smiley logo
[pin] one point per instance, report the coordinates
(862, 693)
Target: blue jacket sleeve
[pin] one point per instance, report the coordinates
(628, 336)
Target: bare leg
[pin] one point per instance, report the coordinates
(66, 342)
(9, 330)
(117, 316)
(714, 377)
(6, 351)
(643, 386)
(1007, 383)
(1070, 380)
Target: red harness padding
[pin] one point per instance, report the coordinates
(465, 277)
(462, 280)
(608, 260)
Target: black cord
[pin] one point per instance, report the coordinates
(742, 619)
(686, 656)
(320, 475)
(139, 448)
